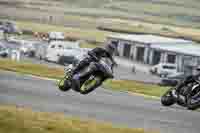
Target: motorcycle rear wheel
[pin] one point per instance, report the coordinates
(89, 85)
(167, 99)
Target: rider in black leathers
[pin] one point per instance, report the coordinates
(93, 56)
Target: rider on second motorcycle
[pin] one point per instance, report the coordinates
(93, 56)
(184, 82)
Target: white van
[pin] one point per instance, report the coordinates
(56, 36)
(56, 49)
(164, 69)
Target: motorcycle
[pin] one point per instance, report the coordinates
(188, 96)
(102, 70)
(193, 98)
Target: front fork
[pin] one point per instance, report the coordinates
(61, 82)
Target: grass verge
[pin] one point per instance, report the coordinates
(87, 45)
(45, 71)
(113, 25)
(91, 34)
(136, 87)
(29, 68)
(20, 120)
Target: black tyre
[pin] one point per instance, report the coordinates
(87, 91)
(89, 86)
(167, 99)
(64, 84)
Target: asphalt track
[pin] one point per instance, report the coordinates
(103, 105)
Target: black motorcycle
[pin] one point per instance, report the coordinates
(102, 70)
(188, 96)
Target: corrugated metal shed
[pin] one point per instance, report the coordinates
(148, 39)
(187, 49)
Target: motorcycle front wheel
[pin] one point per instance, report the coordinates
(167, 99)
(64, 84)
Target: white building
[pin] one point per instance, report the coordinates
(151, 49)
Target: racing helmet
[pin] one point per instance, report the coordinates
(111, 48)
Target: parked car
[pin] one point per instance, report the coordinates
(57, 49)
(164, 69)
(173, 79)
(10, 27)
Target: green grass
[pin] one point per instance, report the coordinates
(21, 120)
(87, 45)
(81, 21)
(165, 11)
(88, 31)
(135, 87)
(173, 12)
(44, 71)
(181, 17)
(29, 68)
(91, 34)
